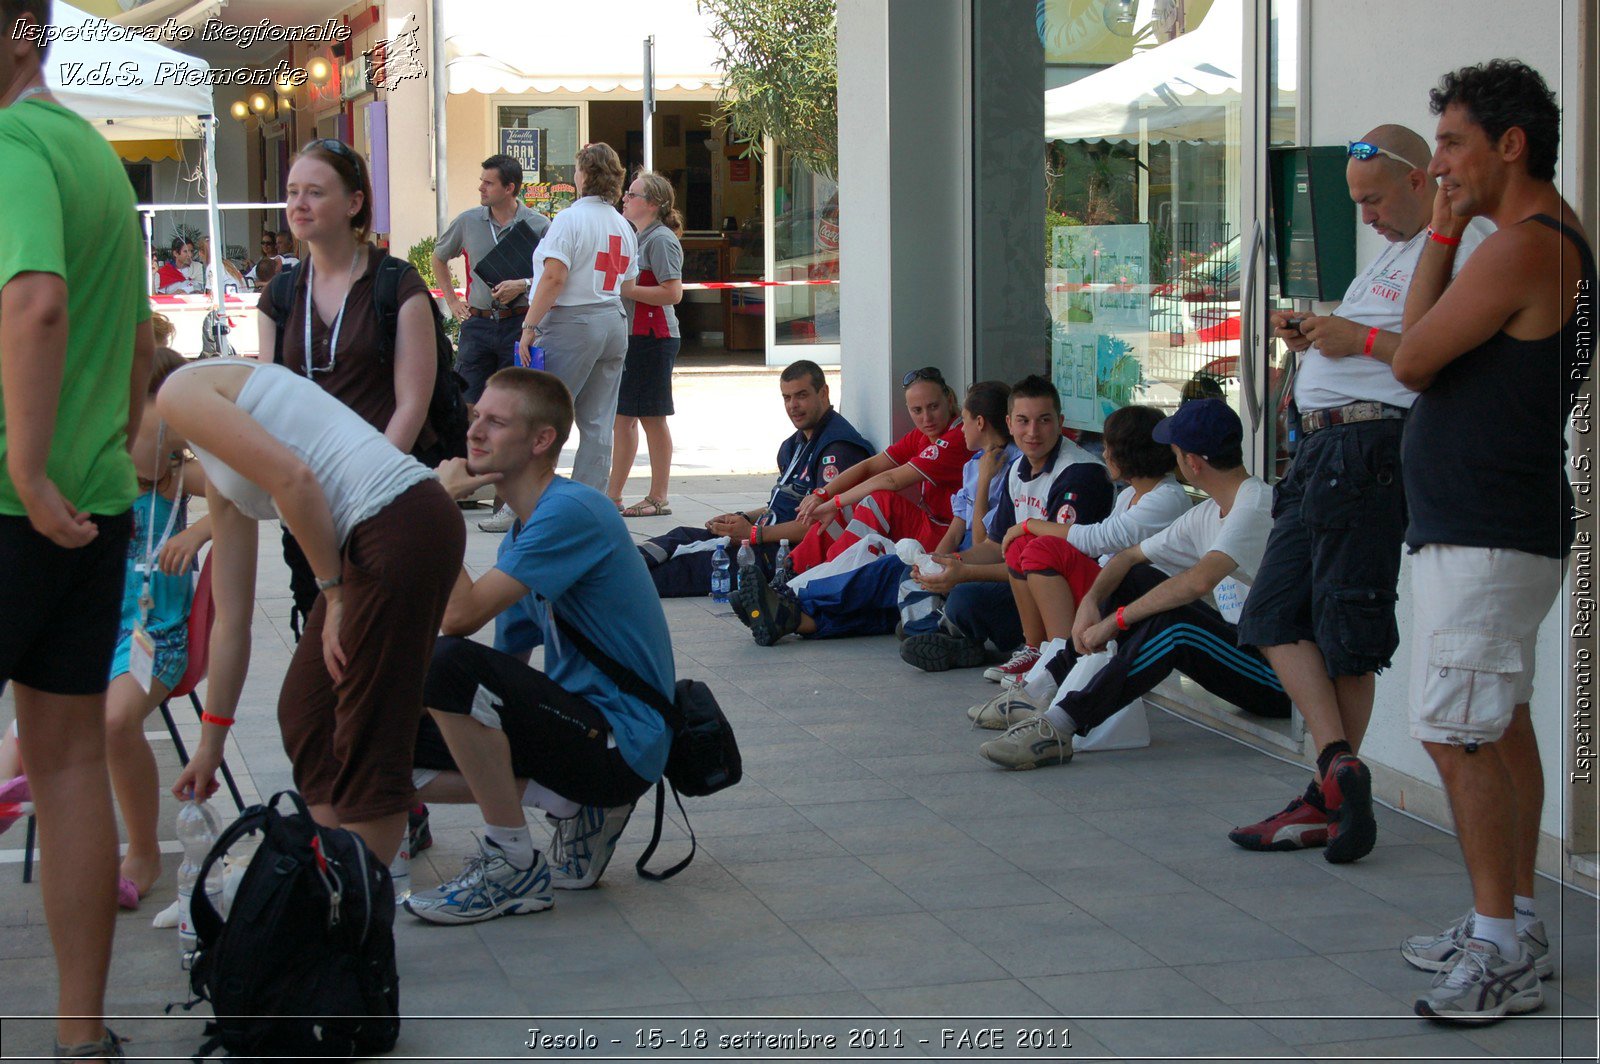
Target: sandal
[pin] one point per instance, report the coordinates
(649, 506)
(127, 893)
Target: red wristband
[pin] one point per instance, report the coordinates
(1447, 241)
(1122, 622)
(1372, 338)
(211, 718)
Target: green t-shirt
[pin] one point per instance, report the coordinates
(68, 209)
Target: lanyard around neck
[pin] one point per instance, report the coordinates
(338, 319)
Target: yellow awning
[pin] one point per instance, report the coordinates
(155, 151)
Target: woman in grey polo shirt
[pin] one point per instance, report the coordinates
(646, 394)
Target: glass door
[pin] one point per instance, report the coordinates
(801, 242)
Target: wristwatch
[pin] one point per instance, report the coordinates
(326, 585)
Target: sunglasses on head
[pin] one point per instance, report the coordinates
(1362, 150)
(926, 373)
(339, 148)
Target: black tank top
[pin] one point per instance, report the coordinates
(1484, 452)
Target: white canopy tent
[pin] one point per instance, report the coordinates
(492, 46)
(1179, 91)
(154, 93)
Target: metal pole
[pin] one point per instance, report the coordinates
(439, 79)
(649, 101)
(215, 273)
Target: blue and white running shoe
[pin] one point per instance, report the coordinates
(583, 845)
(489, 886)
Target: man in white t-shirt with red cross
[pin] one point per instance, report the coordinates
(576, 315)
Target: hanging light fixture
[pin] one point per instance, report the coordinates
(240, 110)
(319, 70)
(261, 104)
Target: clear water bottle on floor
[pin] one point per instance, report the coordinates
(198, 828)
(721, 577)
(782, 568)
(747, 557)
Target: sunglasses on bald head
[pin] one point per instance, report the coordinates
(1362, 150)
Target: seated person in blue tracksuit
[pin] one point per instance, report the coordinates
(824, 445)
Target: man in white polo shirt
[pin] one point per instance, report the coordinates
(1322, 610)
(576, 312)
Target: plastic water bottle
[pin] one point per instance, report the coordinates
(197, 832)
(910, 551)
(747, 557)
(781, 567)
(721, 579)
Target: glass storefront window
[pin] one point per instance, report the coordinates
(805, 210)
(545, 140)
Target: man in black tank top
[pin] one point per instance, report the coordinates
(1498, 356)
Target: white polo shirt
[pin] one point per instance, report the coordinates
(597, 246)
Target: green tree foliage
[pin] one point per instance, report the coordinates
(780, 65)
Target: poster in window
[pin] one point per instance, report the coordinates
(525, 146)
(1100, 311)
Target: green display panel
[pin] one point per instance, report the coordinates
(1313, 222)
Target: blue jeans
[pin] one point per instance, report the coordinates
(485, 346)
(985, 611)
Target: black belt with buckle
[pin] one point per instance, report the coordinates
(497, 315)
(1317, 420)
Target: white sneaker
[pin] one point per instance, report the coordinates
(1482, 986)
(499, 521)
(1010, 706)
(489, 886)
(1437, 953)
(582, 845)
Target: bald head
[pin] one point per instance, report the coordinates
(1394, 197)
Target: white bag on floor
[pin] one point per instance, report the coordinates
(1127, 729)
(863, 552)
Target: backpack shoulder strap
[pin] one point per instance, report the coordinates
(386, 300)
(280, 294)
(627, 681)
(655, 837)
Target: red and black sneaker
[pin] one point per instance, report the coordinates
(418, 833)
(1347, 788)
(1300, 826)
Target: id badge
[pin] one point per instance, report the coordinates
(142, 657)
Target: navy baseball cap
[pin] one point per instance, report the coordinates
(1201, 426)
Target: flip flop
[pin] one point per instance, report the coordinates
(649, 506)
(16, 790)
(127, 893)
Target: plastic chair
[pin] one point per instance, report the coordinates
(200, 616)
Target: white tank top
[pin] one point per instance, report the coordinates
(359, 470)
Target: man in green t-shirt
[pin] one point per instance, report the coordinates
(75, 350)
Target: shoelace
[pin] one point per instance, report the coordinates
(1042, 725)
(1459, 975)
(1025, 655)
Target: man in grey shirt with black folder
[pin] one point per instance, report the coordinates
(489, 329)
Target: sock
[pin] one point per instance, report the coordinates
(541, 797)
(1313, 795)
(515, 843)
(1042, 681)
(1525, 913)
(1329, 752)
(1503, 933)
(1061, 720)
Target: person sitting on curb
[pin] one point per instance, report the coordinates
(1149, 599)
(870, 599)
(590, 749)
(866, 499)
(1062, 562)
(1054, 477)
(824, 445)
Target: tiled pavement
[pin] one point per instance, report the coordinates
(870, 866)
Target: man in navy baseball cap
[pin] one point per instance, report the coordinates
(1206, 427)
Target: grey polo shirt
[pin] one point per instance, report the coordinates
(475, 233)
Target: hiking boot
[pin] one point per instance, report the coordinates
(1018, 666)
(1003, 710)
(770, 613)
(418, 834)
(499, 521)
(1347, 790)
(1300, 826)
(1033, 743)
(489, 886)
(582, 845)
(1481, 986)
(1437, 953)
(938, 651)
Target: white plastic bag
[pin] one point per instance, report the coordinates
(1127, 729)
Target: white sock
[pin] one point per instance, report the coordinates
(1039, 683)
(541, 797)
(1061, 720)
(515, 843)
(1525, 912)
(1503, 933)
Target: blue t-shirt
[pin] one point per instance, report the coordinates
(575, 555)
(961, 505)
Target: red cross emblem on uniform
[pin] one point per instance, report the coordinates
(612, 262)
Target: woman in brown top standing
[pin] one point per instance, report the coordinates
(330, 330)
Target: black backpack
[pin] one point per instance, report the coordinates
(704, 757)
(304, 964)
(447, 409)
